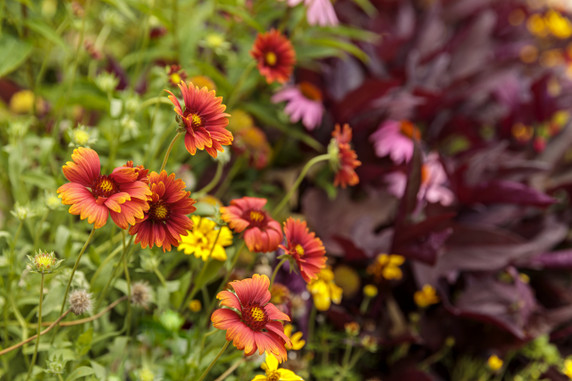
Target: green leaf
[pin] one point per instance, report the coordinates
(99, 370)
(246, 18)
(82, 371)
(14, 53)
(353, 33)
(367, 7)
(44, 30)
(83, 343)
(209, 273)
(340, 45)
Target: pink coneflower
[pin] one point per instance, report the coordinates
(318, 12)
(304, 103)
(250, 320)
(433, 181)
(396, 139)
(121, 195)
(275, 56)
(306, 249)
(261, 232)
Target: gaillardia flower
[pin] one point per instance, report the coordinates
(347, 161)
(306, 249)
(273, 373)
(275, 56)
(261, 232)
(250, 320)
(122, 194)
(205, 240)
(304, 103)
(166, 220)
(203, 118)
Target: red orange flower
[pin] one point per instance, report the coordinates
(166, 220)
(203, 118)
(306, 249)
(261, 232)
(122, 194)
(347, 158)
(250, 321)
(275, 56)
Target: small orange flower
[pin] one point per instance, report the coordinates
(261, 232)
(203, 118)
(306, 249)
(122, 194)
(250, 320)
(347, 158)
(275, 56)
(166, 220)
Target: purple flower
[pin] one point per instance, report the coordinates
(395, 138)
(304, 103)
(318, 12)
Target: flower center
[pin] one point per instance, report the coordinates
(409, 130)
(195, 119)
(256, 216)
(255, 317)
(310, 91)
(299, 250)
(104, 187)
(271, 58)
(158, 211)
(273, 375)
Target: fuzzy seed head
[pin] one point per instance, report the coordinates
(140, 294)
(80, 301)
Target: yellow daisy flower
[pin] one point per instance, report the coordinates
(270, 366)
(205, 240)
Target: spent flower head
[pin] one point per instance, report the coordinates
(140, 294)
(80, 302)
(43, 262)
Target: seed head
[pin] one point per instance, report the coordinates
(80, 301)
(140, 294)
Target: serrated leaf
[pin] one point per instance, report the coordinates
(14, 53)
(83, 343)
(82, 371)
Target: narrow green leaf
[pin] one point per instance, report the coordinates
(341, 45)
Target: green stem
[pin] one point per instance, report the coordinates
(156, 101)
(232, 97)
(40, 228)
(179, 133)
(128, 280)
(75, 268)
(214, 181)
(214, 361)
(115, 273)
(13, 251)
(276, 270)
(234, 170)
(39, 328)
(312, 323)
(193, 289)
(298, 181)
